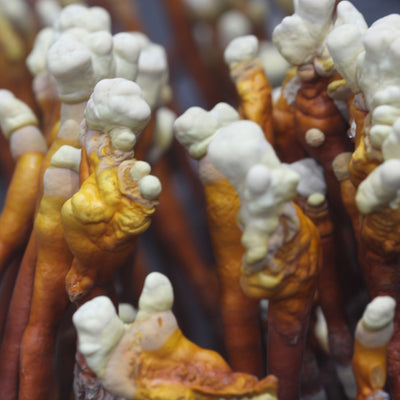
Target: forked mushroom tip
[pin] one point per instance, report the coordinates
(379, 313)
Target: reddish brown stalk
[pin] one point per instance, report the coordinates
(17, 216)
(17, 320)
(6, 290)
(49, 301)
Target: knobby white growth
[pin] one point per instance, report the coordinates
(139, 170)
(301, 37)
(152, 72)
(99, 330)
(195, 128)
(381, 188)
(391, 146)
(117, 108)
(14, 113)
(157, 296)
(100, 45)
(67, 157)
(377, 74)
(127, 47)
(150, 187)
(264, 185)
(70, 62)
(375, 328)
(78, 16)
(243, 48)
(345, 45)
(346, 13)
(37, 59)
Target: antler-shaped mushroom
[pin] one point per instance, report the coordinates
(151, 359)
(282, 245)
(195, 129)
(114, 204)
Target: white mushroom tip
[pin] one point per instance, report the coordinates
(77, 15)
(126, 49)
(152, 58)
(378, 134)
(70, 62)
(139, 170)
(379, 313)
(117, 107)
(37, 58)
(67, 157)
(127, 313)
(122, 138)
(152, 72)
(243, 48)
(194, 130)
(94, 315)
(157, 295)
(150, 187)
(14, 113)
(346, 13)
(224, 113)
(389, 173)
(316, 199)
